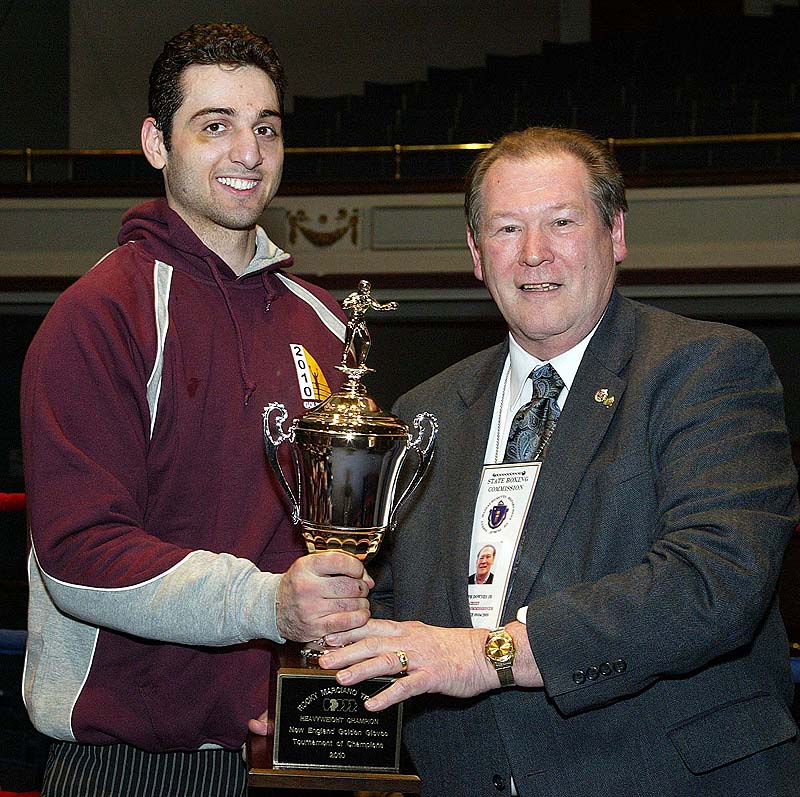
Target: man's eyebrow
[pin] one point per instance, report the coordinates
(265, 113)
(513, 212)
(213, 112)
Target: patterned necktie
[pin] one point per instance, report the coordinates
(534, 423)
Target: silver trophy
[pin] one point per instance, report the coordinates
(348, 458)
(348, 454)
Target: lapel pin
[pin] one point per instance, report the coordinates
(602, 397)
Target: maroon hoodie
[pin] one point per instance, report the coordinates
(156, 528)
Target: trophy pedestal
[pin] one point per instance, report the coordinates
(324, 739)
(262, 775)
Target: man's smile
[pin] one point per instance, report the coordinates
(539, 286)
(238, 183)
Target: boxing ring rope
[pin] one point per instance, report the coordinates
(12, 502)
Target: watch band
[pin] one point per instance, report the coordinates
(506, 675)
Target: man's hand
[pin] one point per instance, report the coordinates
(450, 661)
(323, 593)
(263, 726)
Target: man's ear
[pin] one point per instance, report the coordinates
(153, 144)
(618, 243)
(477, 265)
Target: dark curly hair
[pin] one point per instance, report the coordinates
(205, 44)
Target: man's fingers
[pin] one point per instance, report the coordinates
(316, 627)
(400, 690)
(339, 605)
(322, 593)
(261, 726)
(342, 621)
(368, 657)
(373, 628)
(336, 563)
(340, 587)
(348, 636)
(368, 668)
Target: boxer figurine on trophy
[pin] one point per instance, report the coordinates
(357, 304)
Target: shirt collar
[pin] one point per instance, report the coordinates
(566, 363)
(266, 253)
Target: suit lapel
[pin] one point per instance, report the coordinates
(582, 426)
(462, 454)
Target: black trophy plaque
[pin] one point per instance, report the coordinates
(321, 725)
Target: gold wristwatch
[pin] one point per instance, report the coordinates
(500, 651)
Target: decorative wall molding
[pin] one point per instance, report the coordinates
(322, 236)
(747, 227)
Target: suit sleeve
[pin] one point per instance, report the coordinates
(726, 504)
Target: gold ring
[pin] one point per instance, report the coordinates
(401, 655)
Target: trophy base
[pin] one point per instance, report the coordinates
(359, 542)
(324, 739)
(263, 775)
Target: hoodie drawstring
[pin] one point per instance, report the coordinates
(269, 290)
(249, 384)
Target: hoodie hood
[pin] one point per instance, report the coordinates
(166, 233)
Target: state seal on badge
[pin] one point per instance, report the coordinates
(497, 513)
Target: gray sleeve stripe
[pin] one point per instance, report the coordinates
(58, 660)
(205, 599)
(79, 691)
(334, 324)
(73, 585)
(103, 258)
(162, 280)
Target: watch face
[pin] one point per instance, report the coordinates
(499, 648)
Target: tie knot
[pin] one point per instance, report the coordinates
(546, 382)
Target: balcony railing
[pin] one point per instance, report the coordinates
(751, 152)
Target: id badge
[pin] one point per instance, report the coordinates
(503, 501)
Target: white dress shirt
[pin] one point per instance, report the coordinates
(515, 390)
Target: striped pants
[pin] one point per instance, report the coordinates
(118, 770)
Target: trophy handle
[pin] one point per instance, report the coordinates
(273, 437)
(423, 446)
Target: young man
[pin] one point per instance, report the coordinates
(158, 536)
(637, 646)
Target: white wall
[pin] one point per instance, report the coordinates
(704, 227)
(327, 48)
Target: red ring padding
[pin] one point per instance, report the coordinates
(12, 502)
(20, 794)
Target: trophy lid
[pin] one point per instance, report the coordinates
(352, 412)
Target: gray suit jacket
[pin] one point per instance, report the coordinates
(648, 563)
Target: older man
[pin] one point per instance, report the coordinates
(634, 469)
(483, 566)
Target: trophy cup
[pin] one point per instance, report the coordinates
(348, 458)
